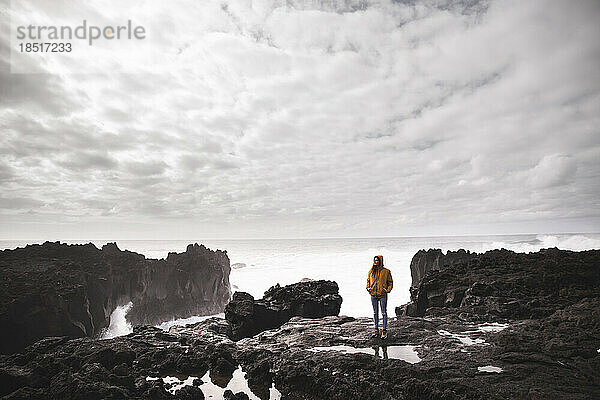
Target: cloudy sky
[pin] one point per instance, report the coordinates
(324, 118)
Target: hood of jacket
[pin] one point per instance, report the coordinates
(380, 260)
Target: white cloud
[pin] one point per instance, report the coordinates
(553, 170)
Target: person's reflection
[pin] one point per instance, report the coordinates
(384, 353)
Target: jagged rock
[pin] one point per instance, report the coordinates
(433, 260)
(57, 289)
(196, 283)
(502, 284)
(311, 299)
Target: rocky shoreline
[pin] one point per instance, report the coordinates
(501, 284)
(481, 347)
(55, 289)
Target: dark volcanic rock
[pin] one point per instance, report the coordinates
(550, 358)
(56, 289)
(501, 284)
(195, 282)
(228, 395)
(86, 368)
(551, 353)
(433, 259)
(311, 299)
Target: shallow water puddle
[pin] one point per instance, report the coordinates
(469, 338)
(236, 383)
(175, 382)
(463, 338)
(491, 327)
(489, 368)
(403, 352)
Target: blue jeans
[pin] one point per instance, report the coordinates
(376, 304)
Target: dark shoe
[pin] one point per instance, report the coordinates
(384, 334)
(375, 333)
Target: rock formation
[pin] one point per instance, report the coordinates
(433, 259)
(57, 289)
(313, 299)
(502, 284)
(547, 348)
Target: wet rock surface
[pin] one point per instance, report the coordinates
(553, 355)
(57, 289)
(536, 362)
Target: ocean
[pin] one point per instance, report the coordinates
(258, 264)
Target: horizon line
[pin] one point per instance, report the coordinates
(309, 238)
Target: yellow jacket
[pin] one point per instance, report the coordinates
(379, 281)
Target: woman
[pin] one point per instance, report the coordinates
(379, 284)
